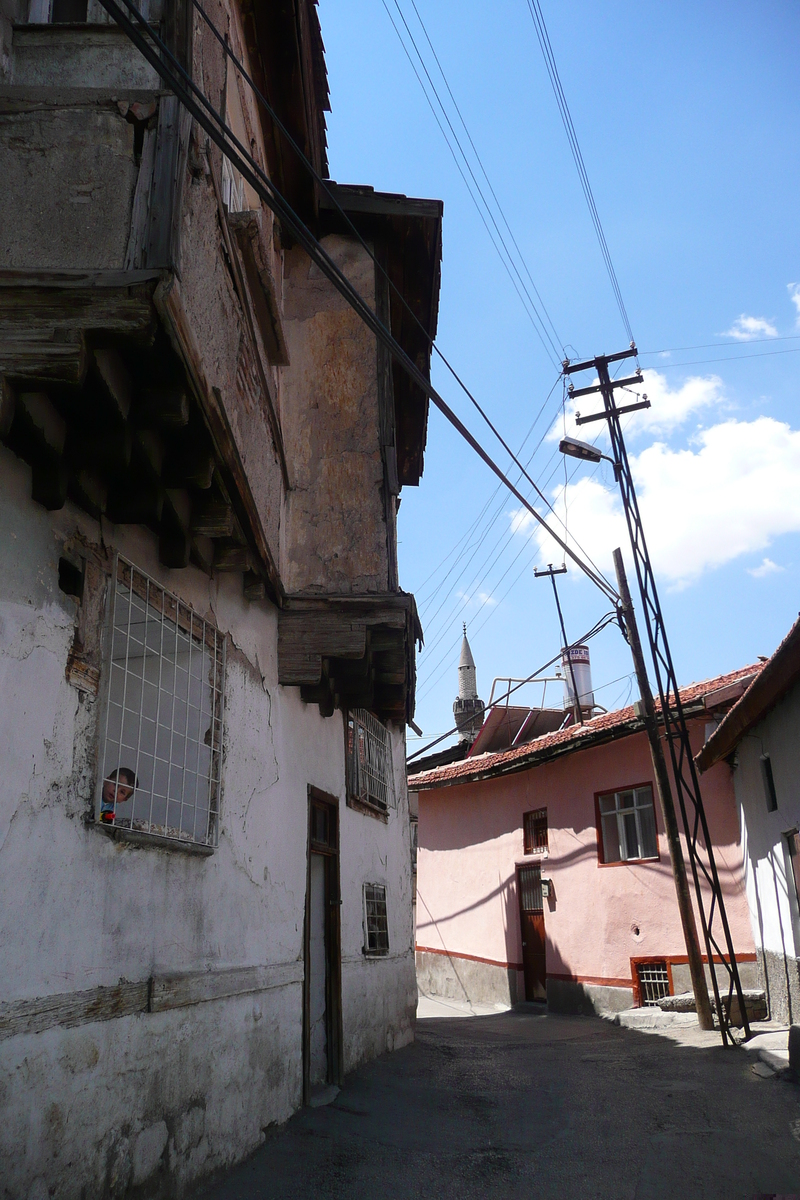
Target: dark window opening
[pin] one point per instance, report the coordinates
(653, 982)
(769, 783)
(69, 12)
(70, 578)
(534, 826)
(376, 920)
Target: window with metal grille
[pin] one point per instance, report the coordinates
(530, 889)
(376, 925)
(534, 826)
(161, 746)
(370, 773)
(628, 825)
(653, 982)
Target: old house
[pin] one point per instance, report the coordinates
(758, 741)
(206, 660)
(543, 867)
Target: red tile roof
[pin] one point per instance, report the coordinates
(606, 727)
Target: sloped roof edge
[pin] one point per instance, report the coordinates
(767, 689)
(605, 728)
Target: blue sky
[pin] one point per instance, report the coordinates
(687, 116)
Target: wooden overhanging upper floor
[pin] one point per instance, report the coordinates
(406, 236)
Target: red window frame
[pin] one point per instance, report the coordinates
(624, 862)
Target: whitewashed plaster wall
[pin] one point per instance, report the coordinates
(771, 894)
(152, 1100)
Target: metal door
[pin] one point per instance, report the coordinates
(531, 919)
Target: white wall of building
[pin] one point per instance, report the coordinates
(771, 894)
(153, 1099)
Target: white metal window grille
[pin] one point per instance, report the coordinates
(162, 742)
(629, 825)
(375, 920)
(370, 773)
(653, 982)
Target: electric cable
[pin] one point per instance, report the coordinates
(158, 55)
(555, 350)
(488, 180)
(537, 16)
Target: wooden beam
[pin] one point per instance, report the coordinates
(187, 464)
(215, 519)
(253, 587)
(135, 501)
(165, 407)
(116, 382)
(230, 557)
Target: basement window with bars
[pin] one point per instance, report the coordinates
(369, 767)
(653, 983)
(628, 825)
(161, 748)
(376, 924)
(534, 827)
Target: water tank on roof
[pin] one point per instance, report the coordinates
(575, 661)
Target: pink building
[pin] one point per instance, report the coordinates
(543, 870)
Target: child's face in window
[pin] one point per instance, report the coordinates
(115, 792)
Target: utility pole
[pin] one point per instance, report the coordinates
(552, 572)
(713, 918)
(699, 985)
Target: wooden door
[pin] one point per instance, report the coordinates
(531, 919)
(322, 989)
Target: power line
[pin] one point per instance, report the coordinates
(155, 51)
(791, 337)
(552, 350)
(731, 358)
(566, 117)
(486, 177)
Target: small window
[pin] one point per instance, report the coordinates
(534, 826)
(161, 745)
(370, 774)
(376, 925)
(653, 983)
(628, 825)
(769, 783)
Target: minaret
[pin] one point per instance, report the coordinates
(467, 707)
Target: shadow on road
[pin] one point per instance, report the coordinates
(525, 1104)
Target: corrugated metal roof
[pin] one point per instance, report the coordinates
(606, 727)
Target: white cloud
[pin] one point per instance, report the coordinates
(767, 567)
(794, 296)
(477, 599)
(732, 492)
(745, 328)
(669, 408)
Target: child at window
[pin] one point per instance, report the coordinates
(118, 786)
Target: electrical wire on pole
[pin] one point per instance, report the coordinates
(713, 917)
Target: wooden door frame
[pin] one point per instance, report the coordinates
(333, 943)
(525, 867)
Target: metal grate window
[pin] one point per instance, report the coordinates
(370, 770)
(628, 822)
(530, 889)
(376, 923)
(653, 982)
(534, 825)
(161, 749)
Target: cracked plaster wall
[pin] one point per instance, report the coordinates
(152, 1101)
(334, 538)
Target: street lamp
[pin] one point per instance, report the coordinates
(574, 448)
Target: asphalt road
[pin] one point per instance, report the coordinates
(534, 1105)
